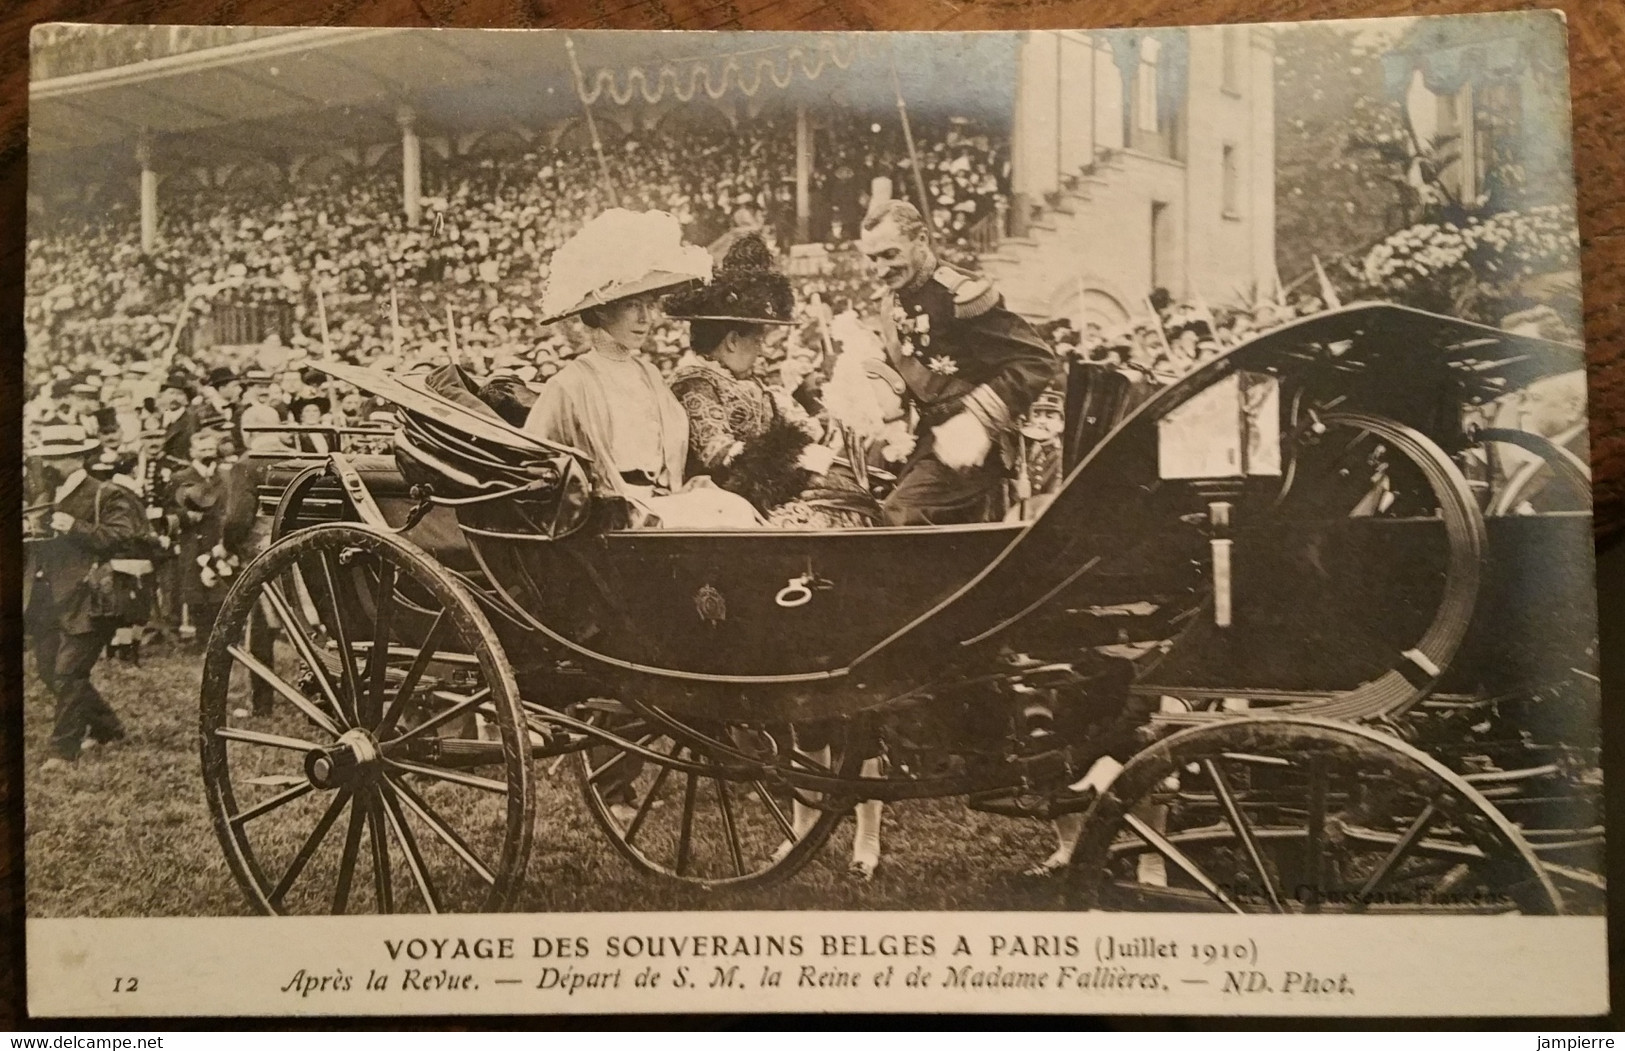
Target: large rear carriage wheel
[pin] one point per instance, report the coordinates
(389, 767)
(1282, 814)
(694, 815)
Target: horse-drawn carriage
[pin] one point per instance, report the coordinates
(1340, 593)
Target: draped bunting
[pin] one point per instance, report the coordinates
(1445, 70)
(717, 74)
(1173, 63)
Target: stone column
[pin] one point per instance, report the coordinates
(411, 166)
(149, 195)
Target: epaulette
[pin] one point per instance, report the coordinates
(973, 295)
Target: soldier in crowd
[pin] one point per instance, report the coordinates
(259, 411)
(972, 367)
(221, 397)
(177, 416)
(88, 523)
(198, 500)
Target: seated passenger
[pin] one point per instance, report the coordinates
(750, 438)
(610, 402)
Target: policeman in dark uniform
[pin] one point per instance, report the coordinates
(971, 365)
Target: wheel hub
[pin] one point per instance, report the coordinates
(353, 756)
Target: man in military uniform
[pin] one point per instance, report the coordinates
(972, 368)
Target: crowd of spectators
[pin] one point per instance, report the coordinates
(1181, 336)
(490, 222)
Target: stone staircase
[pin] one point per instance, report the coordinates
(1069, 240)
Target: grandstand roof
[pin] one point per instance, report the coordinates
(312, 89)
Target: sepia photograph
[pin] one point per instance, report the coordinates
(1093, 472)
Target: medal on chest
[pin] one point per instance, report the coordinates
(913, 326)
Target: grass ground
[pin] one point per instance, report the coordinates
(126, 832)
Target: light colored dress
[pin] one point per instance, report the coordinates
(613, 406)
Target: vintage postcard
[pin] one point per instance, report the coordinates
(1061, 521)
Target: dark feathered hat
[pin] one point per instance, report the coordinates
(298, 406)
(747, 286)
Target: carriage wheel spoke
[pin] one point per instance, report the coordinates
(378, 660)
(304, 647)
(409, 847)
(617, 758)
(1162, 846)
(352, 849)
(430, 817)
(234, 733)
(289, 693)
(379, 837)
(420, 664)
(341, 637)
(1412, 836)
(456, 777)
(462, 704)
(777, 811)
(728, 828)
(647, 804)
(308, 850)
(1314, 842)
(686, 832)
(279, 800)
(1244, 832)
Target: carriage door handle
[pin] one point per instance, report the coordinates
(799, 591)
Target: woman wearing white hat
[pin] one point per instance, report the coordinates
(611, 402)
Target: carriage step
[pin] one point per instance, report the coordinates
(1027, 804)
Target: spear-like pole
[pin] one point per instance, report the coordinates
(451, 337)
(592, 125)
(913, 154)
(327, 353)
(395, 325)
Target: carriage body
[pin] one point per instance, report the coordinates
(1288, 538)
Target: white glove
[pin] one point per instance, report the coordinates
(962, 442)
(816, 458)
(61, 521)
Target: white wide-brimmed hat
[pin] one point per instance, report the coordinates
(62, 439)
(617, 255)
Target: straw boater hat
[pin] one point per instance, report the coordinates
(747, 287)
(63, 439)
(617, 255)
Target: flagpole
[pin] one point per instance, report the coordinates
(451, 337)
(1328, 291)
(592, 125)
(395, 325)
(908, 140)
(327, 353)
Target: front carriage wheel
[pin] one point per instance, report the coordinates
(384, 765)
(1282, 814)
(702, 808)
